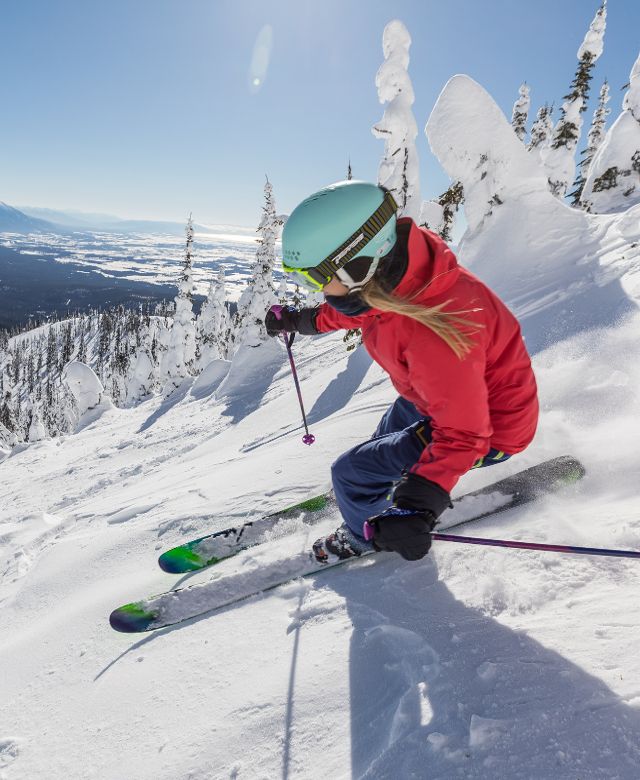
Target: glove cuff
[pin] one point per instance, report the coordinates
(416, 492)
(306, 325)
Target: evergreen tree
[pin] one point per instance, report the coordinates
(594, 139)
(283, 291)
(559, 157)
(178, 361)
(52, 350)
(212, 324)
(296, 298)
(521, 112)
(67, 345)
(450, 202)
(399, 168)
(613, 180)
(259, 295)
(542, 129)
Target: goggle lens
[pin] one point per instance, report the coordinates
(309, 278)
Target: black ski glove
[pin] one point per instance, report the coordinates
(405, 531)
(291, 320)
(406, 526)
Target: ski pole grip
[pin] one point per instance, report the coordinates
(277, 311)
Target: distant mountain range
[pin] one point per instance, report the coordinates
(15, 221)
(30, 219)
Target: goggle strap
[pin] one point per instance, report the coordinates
(350, 248)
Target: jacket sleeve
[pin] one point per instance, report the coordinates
(328, 319)
(454, 393)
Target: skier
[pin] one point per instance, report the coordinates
(453, 350)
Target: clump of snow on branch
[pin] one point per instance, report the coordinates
(259, 294)
(613, 182)
(559, 157)
(178, 362)
(521, 112)
(399, 168)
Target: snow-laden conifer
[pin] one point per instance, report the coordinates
(178, 361)
(259, 294)
(559, 157)
(541, 130)
(613, 181)
(37, 430)
(142, 378)
(8, 439)
(83, 384)
(439, 215)
(283, 292)
(594, 140)
(213, 323)
(399, 168)
(521, 112)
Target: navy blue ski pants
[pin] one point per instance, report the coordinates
(363, 477)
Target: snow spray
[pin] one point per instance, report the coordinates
(308, 438)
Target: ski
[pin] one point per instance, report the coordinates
(215, 547)
(178, 605)
(504, 494)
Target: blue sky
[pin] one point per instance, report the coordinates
(146, 108)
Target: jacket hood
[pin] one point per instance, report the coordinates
(431, 266)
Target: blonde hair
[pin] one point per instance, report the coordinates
(451, 326)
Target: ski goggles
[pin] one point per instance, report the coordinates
(318, 277)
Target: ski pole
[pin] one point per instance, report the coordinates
(561, 548)
(308, 438)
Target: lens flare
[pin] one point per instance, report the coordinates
(260, 58)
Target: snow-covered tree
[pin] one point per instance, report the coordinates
(399, 168)
(439, 215)
(84, 385)
(37, 430)
(559, 157)
(594, 139)
(541, 130)
(296, 298)
(283, 292)
(178, 361)
(143, 377)
(613, 181)
(8, 439)
(259, 294)
(213, 323)
(521, 112)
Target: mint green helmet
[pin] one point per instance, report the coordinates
(330, 229)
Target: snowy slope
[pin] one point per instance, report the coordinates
(471, 663)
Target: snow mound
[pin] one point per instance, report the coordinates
(555, 266)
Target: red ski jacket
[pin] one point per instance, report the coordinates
(487, 399)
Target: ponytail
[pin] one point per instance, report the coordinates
(451, 326)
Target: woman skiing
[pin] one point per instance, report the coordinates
(453, 351)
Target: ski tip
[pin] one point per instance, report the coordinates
(181, 560)
(131, 619)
